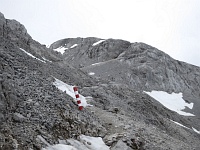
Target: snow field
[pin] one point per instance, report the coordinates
(172, 101)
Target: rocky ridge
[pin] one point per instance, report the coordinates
(30, 104)
(33, 110)
(138, 65)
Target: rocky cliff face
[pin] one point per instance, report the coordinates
(138, 65)
(14, 31)
(34, 113)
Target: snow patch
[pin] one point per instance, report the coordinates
(85, 143)
(94, 44)
(60, 49)
(32, 55)
(74, 45)
(91, 73)
(195, 130)
(93, 143)
(172, 101)
(97, 63)
(68, 89)
(60, 147)
(46, 59)
(179, 124)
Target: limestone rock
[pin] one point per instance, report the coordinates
(138, 65)
(121, 145)
(31, 106)
(18, 117)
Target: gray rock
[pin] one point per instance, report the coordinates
(18, 117)
(26, 89)
(2, 118)
(77, 144)
(121, 145)
(138, 65)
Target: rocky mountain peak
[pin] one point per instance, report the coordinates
(14, 30)
(38, 109)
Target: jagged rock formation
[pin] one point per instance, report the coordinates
(32, 109)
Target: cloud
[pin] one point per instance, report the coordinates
(170, 25)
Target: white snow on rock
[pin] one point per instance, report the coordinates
(93, 143)
(94, 44)
(179, 124)
(85, 143)
(74, 45)
(95, 64)
(60, 147)
(195, 130)
(172, 101)
(91, 73)
(77, 144)
(60, 49)
(99, 63)
(46, 59)
(32, 55)
(70, 91)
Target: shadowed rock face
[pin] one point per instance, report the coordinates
(33, 110)
(138, 65)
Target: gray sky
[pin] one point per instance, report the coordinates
(169, 25)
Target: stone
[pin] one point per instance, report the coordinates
(18, 117)
(123, 70)
(120, 145)
(136, 64)
(2, 118)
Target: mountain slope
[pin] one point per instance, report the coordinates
(30, 105)
(35, 114)
(138, 65)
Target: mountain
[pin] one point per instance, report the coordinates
(30, 105)
(141, 66)
(112, 75)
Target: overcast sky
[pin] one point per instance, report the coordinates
(169, 25)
